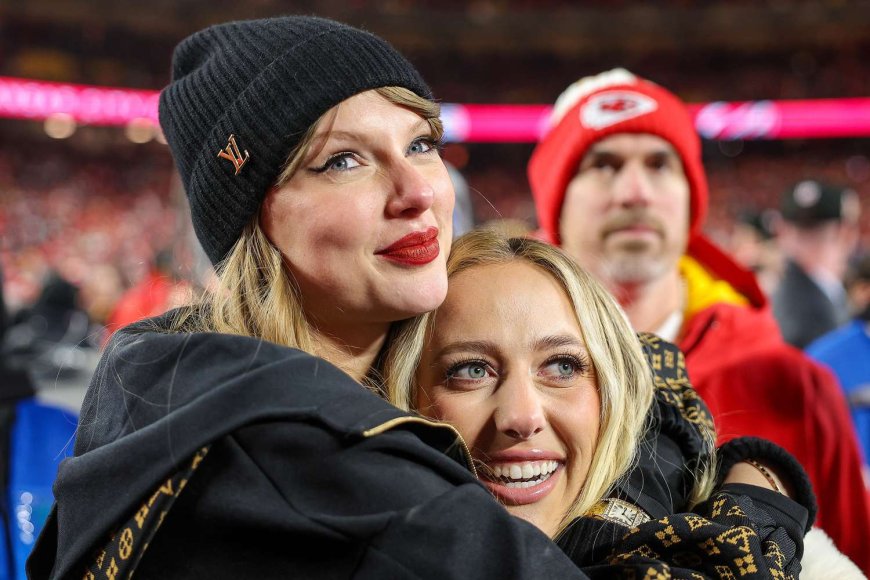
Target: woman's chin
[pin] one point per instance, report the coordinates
(425, 296)
(536, 516)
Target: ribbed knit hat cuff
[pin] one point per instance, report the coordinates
(557, 157)
(267, 112)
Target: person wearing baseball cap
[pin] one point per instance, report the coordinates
(817, 234)
(618, 182)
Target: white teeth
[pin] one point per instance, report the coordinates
(525, 484)
(523, 474)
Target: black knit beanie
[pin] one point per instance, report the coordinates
(242, 96)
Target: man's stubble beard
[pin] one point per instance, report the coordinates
(627, 264)
(632, 264)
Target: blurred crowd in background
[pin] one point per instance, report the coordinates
(100, 220)
(106, 215)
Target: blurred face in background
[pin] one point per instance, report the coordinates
(626, 212)
(506, 364)
(365, 222)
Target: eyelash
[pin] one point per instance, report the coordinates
(435, 144)
(580, 364)
(330, 160)
(450, 373)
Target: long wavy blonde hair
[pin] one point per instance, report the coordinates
(255, 293)
(624, 377)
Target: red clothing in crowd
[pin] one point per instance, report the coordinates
(154, 295)
(756, 384)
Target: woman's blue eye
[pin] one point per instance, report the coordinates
(476, 372)
(421, 146)
(472, 371)
(563, 367)
(566, 368)
(342, 162)
(338, 162)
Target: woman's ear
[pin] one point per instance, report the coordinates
(265, 217)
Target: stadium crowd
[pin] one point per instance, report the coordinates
(100, 220)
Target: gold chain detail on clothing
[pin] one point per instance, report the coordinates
(766, 473)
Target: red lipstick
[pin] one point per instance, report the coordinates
(415, 249)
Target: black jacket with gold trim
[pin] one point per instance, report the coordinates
(307, 475)
(216, 456)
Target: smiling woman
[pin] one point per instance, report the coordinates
(522, 389)
(537, 367)
(371, 161)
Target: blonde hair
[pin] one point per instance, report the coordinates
(624, 377)
(255, 293)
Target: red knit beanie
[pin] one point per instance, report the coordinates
(596, 107)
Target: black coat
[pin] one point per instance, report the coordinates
(307, 475)
(802, 310)
(217, 456)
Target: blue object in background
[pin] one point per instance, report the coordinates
(41, 437)
(847, 352)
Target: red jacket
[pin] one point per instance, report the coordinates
(153, 295)
(756, 384)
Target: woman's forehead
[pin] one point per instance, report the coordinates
(510, 298)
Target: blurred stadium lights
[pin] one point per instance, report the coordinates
(140, 130)
(136, 109)
(59, 125)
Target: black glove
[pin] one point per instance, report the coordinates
(787, 467)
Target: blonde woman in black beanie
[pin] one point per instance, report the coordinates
(241, 437)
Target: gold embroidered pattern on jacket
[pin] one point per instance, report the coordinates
(121, 554)
(692, 546)
(672, 384)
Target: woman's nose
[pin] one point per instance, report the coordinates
(411, 190)
(520, 414)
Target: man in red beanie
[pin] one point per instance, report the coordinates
(618, 183)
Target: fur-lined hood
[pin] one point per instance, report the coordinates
(822, 559)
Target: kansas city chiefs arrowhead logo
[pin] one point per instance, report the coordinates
(612, 107)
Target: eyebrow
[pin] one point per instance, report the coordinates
(467, 345)
(546, 342)
(557, 341)
(603, 151)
